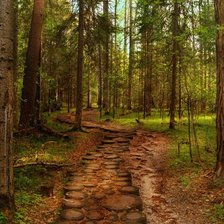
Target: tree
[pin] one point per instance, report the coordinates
(32, 66)
(6, 103)
(80, 65)
(130, 67)
(106, 58)
(174, 65)
(219, 16)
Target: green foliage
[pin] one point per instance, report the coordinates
(185, 181)
(219, 211)
(25, 199)
(3, 219)
(29, 178)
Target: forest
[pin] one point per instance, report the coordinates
(111, 111)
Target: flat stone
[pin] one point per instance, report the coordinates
(70, 214)
(118, 160)
(123, 179)
(88, 157)
(99, 195)
(89, 185)
(76, 178)
(122, 183)
(134, 218)
(113, 217)
(121, 140)
(123, 174)
(75, 195)
(72, 187)
(95, 215)
(89, 170)
(122, 202)
(130, 190)
(92, 207)
(98, 155)
(107, 141)
(109, 152)
(112, 156)
(110, 163)
(111, 167)
(72, 203)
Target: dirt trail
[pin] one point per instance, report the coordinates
(126, 180)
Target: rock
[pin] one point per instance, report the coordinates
(75, 195)
(123, 174)
(113, 217)
(113, 167)
(122, 183)
(134, 218)
(99, 195)
(108, 141)
(107, 163)
(122, 202)
(70, 214)
(123, 179)
(130, 190)
(95, 215)
(72, 203)
(112, 156)
(88, 157)
(71, 187)
(89, 185)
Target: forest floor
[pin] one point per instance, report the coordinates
(169, 194)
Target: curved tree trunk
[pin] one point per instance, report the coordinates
(32, 66)
(6, 103)
(219, 14)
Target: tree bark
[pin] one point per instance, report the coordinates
(130, 67)
(174, 65)
(7, 70)
(80, 65)
(219, 15)
(27, 115)
(106, 60)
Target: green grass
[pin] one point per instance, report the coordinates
(205, 132)
(3, 219)
(50, 120)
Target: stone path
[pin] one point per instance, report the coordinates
(100, 190)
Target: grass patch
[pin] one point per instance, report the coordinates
(205, 132)
(3, 219)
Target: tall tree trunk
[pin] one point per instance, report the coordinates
(80, 65)
(106, 61)
(6, 103)
(174, 65)
(27, 115)
(116, 61)
(130, 67)
(219, 15)
(100, 79)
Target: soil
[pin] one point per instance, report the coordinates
(165, 200)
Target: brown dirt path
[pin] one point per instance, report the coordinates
(146, 164)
